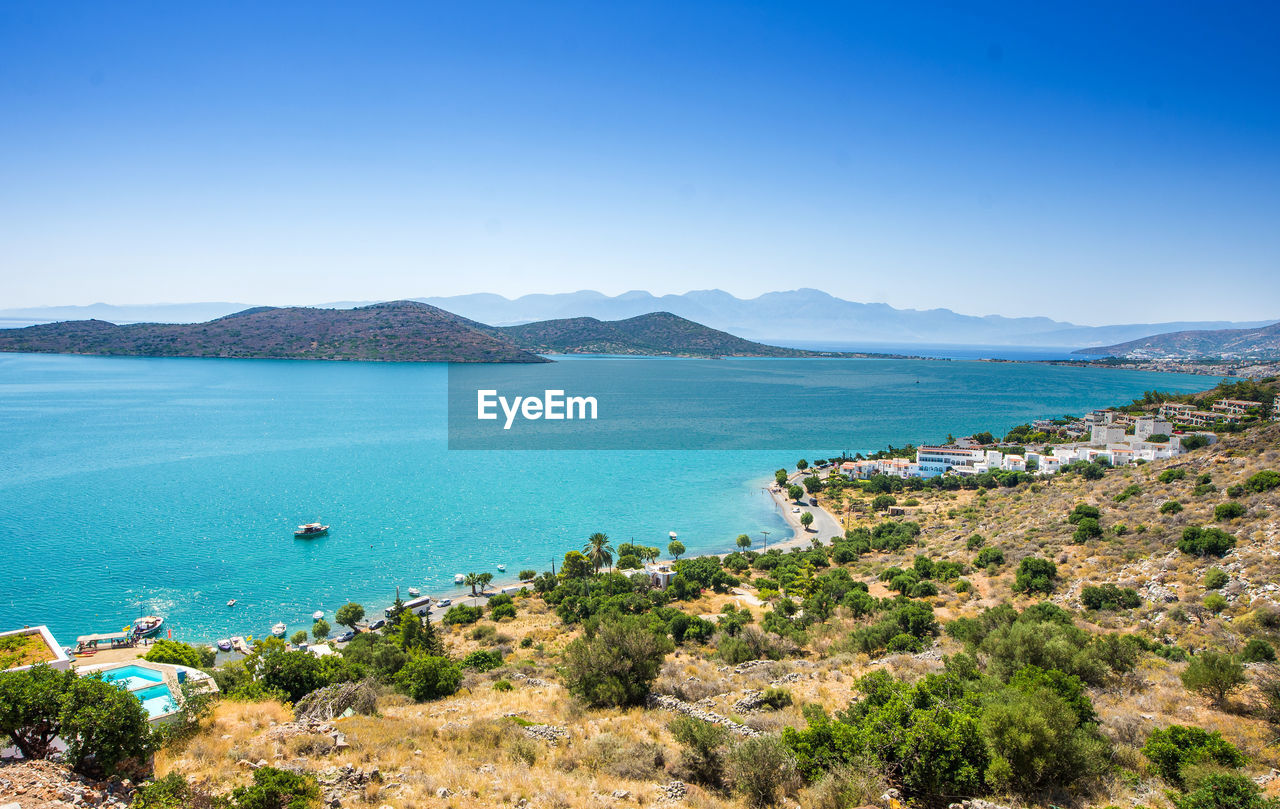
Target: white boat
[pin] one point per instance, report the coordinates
(317, 615)
(224, 645)
(671, 534)
(231, 603)
(458, 578)
(414, 591)
(501, 568)
(279, 629)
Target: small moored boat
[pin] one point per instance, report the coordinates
(458, 578)
(225, 644)
(317, 615)
(279, 629)
(414, 591)
(147, 626)
(311, 529)
(231, 603)
(501, 568)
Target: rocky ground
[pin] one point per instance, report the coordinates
(47, 785)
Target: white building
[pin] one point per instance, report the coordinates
(1235, 407)
(1103, 434)
(939, 460)
(1175, 411)
(660, 575)
(893, 467)
(1147, 426)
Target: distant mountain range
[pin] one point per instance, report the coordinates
(1230, 344)
(400, 331)
(797, 315)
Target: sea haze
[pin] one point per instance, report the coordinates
(132, 486)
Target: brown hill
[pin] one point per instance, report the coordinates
(399, 331)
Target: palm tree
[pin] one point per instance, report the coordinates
(472, 580)
(651, 554)
(598, 550)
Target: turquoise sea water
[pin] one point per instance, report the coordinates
(135, 486)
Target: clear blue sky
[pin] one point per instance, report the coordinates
(1099, 162)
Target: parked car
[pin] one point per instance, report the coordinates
(444, 602)
(346, 637)
(378, 624)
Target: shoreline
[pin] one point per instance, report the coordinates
(825, 526)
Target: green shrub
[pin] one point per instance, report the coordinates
(482, 660)
(170, 792)
(1082, 512)
(502, 685)
(924, 589)
(1228, 511)
(1215, 603)
(461, 614)
(1214, 675)
(776, 698)
(1216, 578)
(883, 501)
(1203, 489)
(989, 556)
(1037, 740)
(1224, 790)
(616, 664)
(1170, 507)
(1130, 491)
(1205, 541)
(503, 611)
(174, 653)
(974, 542)
(296, 674)
(1263, 481)
(1258, 650)
(427, 677)
(1110, 597)
(1086, 529)
(1172, 748)
(1035, 575)
(702, 752)
(277, 789)
(762, 769)
(1170, 475)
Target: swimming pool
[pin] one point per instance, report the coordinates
(132, 677)
(157, 700)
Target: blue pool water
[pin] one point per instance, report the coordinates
(132, 677)
(168, 486)
(157, 700)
